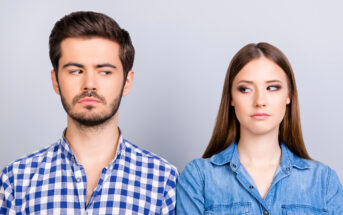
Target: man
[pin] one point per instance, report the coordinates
(92, 169)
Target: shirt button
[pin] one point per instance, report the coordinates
(287, 169)
(78, 180)
(266, 212)
(251, 187)
(234, 165)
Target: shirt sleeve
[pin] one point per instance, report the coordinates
(6, 194)
(190, 191)
(169, 195)
(334, 194)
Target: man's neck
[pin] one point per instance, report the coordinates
(93, 144)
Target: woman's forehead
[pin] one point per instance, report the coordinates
(261, 70)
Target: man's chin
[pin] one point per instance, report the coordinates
(91, 116)
(91, 121)
(89, 107)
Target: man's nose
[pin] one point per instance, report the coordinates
(89, 82)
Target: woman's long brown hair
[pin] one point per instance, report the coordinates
(226, 129)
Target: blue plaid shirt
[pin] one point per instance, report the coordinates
(51, 181)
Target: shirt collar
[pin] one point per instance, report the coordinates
(230, 156)
(224, 156)
(68, 153)
(289, 159)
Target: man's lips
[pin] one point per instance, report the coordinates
(260, 116)
(88, 101)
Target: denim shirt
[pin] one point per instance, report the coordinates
(221, 185)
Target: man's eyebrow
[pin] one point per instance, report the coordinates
(106, 65)
(72, 64)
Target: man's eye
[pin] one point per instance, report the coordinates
(244, 89)
(273, 88)
(105, 72)
(76, 72)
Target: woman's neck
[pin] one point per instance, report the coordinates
(259, 149)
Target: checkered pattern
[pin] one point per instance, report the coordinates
(51, 181)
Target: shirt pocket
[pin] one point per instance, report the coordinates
(302, 210)
(239, 208)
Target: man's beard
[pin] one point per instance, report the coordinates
(88, 119)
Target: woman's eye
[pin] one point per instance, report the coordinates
(244, 89)
(273, 88)
(76, 72)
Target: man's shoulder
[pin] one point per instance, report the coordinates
(147, 158)
(32, 161)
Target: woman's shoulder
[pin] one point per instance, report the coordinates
(211, 167)
(314, 166)
(303, 165)
(197, 165)
(196, 169)
(316, 171)
(205, 169)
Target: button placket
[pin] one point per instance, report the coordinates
(80, 184)
(104, 175)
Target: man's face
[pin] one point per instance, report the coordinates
(91, 79)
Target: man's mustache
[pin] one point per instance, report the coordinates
(88, 93)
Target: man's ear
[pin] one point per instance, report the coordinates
(54, 82)
(128, 82)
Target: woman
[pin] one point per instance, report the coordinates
(256, 161)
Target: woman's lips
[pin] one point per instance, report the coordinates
(260, 116)
(88, 101)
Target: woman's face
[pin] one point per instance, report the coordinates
(259, 95)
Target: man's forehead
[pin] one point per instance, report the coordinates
(94, 43)
(90, 51)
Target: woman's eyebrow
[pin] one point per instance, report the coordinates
(251, 82)
(272, 81)
(245, 81)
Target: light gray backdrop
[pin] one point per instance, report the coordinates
(183, 50)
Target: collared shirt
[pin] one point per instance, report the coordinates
(51, 181)
(221, 185)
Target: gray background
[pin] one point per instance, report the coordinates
(183, 50)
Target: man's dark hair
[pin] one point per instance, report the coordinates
(90, 24)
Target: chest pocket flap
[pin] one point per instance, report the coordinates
(239, 208)
(302, 210)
